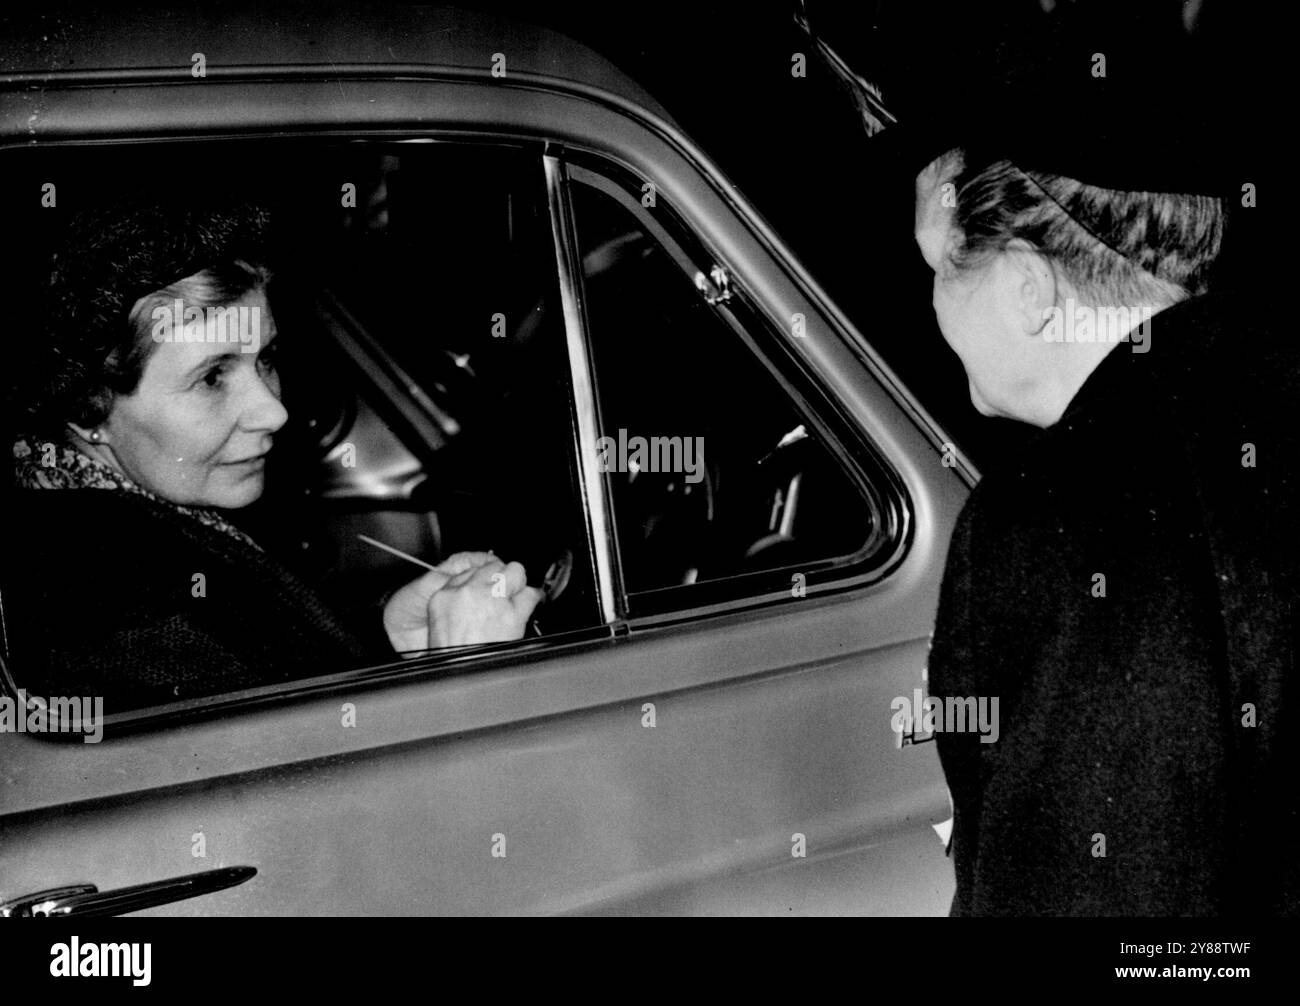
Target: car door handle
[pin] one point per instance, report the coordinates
(87, 901)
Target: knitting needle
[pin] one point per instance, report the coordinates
(397, 552)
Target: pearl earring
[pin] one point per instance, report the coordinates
(94, 435)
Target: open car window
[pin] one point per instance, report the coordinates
(423, 366)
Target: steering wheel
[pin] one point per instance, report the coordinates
(557, 577)
(553, 585)
(673, 517)
(786, 464)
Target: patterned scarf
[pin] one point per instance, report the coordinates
(59, 465)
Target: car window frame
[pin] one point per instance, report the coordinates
(867, 467)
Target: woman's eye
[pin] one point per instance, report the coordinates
(212, 379)
(267, 359)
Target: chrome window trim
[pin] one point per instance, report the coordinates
(591, 480)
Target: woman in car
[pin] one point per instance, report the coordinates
(126, 578)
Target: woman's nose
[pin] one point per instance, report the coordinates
(261, 410)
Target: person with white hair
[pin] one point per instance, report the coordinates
(1127, 584)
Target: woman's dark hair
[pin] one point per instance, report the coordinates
(117, 264)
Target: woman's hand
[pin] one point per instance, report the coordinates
(485, 601)
(488, 603)
(406, 615)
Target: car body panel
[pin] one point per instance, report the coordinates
(389, 42)
(594, 806)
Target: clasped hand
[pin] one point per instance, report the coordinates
(471, 597)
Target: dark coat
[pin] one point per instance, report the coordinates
(99, 599)
(1127, 715)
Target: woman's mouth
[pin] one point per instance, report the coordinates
(251, 462)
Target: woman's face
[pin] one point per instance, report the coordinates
(198, 427)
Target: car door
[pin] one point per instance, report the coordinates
(704, 745)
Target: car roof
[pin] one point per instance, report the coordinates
(159, 43)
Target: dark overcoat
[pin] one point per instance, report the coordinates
(1127, 589)
(101, 597)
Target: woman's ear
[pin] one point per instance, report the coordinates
(93, 432)
(1031, 286)
(92, 435)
